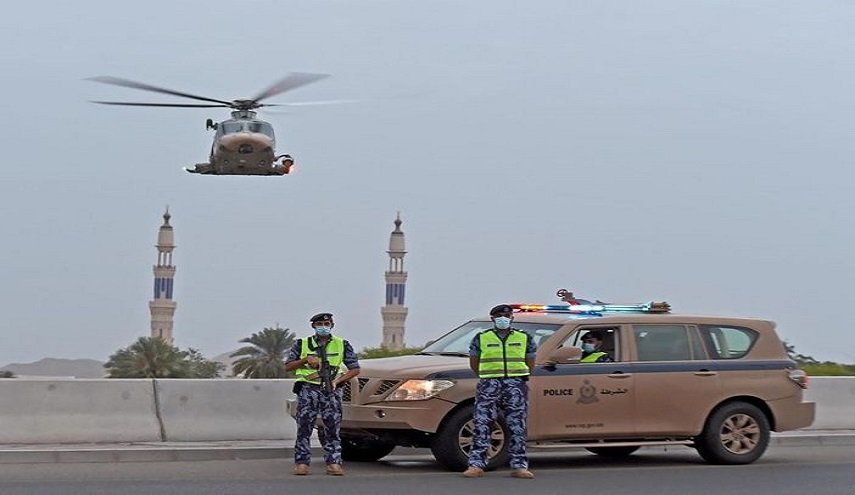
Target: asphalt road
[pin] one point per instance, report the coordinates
(782, 471)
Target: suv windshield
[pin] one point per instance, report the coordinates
(456, 342)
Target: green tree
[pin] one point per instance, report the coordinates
(151, 357)
(828, 368)
(7, 374)
(265, 356)
(381, 352)
(813, 367)
(201, 367)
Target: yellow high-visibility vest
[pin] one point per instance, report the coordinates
(503, 359)
(335, 356)
(592, 357)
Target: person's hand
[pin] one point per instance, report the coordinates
(313, 362)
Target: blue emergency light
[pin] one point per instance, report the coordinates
(594, 309)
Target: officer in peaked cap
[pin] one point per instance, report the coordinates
(322, 317)
(503, 358)
(313, 399)
(502, 309)
(592, 348)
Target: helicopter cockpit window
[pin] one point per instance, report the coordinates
(262, 127)
(230, 127)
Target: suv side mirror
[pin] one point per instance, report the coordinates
(565, 355)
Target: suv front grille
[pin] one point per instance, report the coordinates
(385, 386)
(352, 390)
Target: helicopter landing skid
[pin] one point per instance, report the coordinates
(201, 168)
(208, 169)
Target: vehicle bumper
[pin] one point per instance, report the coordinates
(423, 415)
(791, 413)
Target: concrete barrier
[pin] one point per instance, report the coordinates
(92, 411)
(66, 411)
(835, 402)
(194, 410)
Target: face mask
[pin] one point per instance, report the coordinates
(588, 347)
(322, 331)
(502, 322)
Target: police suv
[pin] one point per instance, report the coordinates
(718, 385)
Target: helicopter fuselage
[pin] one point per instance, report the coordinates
(244, 145)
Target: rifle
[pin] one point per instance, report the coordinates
(324, 371)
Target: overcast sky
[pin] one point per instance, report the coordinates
(694, 152)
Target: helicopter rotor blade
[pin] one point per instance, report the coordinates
(289, 82)
(116, 81)
(311, 103)
(178, 105)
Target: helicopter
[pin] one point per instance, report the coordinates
(243, 144)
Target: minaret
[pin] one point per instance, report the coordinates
(394, 312)
(162, 307)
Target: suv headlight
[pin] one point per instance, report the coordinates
(419, 389)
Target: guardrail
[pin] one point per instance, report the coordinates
(110, 410)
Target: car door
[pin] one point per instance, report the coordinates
(583, 400)
(676, 383)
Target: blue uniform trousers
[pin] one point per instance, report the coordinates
(311, 403)
(510, 397)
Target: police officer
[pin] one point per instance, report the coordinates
(312, 399)
(502, 357)
(592, 344)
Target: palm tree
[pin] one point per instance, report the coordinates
(149, 357)
(265, 356)
(201, 367)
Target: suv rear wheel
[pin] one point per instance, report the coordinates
(453, 441)
(736, 433)
(364, 450)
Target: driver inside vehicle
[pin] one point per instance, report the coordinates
(592, 348)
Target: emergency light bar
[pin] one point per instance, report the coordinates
(595, 309)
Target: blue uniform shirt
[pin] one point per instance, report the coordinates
(475, 345)
(350, 359)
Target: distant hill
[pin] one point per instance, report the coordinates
(77, 368)
(85, 368)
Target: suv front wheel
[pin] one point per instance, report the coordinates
(736, 433)
(453, 441)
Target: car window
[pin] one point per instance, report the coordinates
(698, 351)
(662, 342)
(457, 341)
(728, 342)
(609, 335)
